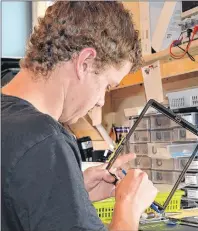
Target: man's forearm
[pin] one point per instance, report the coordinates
(124, 220)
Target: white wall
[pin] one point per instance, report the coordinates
(38, 10)
(16, 27)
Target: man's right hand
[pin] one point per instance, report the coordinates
(134, 194)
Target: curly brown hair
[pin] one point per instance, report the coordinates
(68, 27)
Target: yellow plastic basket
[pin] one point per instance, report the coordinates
(105, 208)
(175, 203)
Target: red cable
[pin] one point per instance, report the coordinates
(186, 50)
(187, 47)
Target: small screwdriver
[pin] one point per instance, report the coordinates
(153, 206)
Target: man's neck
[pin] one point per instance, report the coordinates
(46, 95)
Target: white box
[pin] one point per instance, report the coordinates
(192, 193)
(193, 165)
(191, 179)
(183, 99)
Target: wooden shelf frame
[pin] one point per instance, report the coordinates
(169, 67)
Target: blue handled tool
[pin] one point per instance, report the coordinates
(153, 206)
(124, 172)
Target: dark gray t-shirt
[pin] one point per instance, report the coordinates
(42, 183)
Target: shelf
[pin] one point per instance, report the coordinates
(168, 69)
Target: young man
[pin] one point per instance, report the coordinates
(78, 50)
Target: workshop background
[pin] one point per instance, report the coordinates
(169, 75)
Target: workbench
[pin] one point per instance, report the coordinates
(163, 226)
(158, 226)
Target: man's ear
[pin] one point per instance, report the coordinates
(84, 62)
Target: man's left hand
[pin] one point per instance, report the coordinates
(98, 181)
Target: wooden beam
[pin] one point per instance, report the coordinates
(145, 31)
(179, 67)
(133, 7)
(161, 28)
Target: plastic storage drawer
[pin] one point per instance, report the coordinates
(181, 134)
(192, 193)
(140, 137)
(158, 150)
(162, 135)
(181, 150)
(163, 177)
(143, 125)
(149, 173)
(162, 122)
(169, 164)
(141, 163)
(191, 117)
(193, 166)
(139, 149)
(191, 179)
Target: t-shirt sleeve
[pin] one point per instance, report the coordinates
(47, 190)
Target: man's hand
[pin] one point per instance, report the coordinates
(134, 194)
(98, 181)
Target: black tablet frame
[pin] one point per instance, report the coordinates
(183, 123)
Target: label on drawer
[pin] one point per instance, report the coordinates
(194, 165)
(191, 179)
(163, 152)
(192, 193)
(158, 150)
